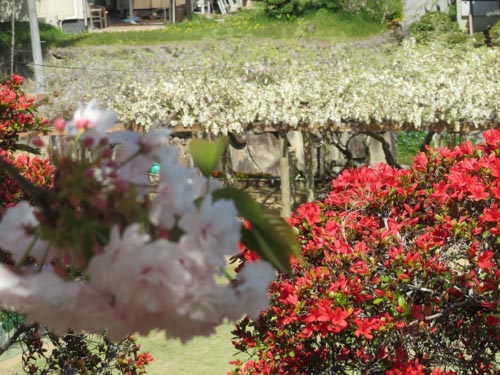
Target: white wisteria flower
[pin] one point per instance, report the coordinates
(304, 86)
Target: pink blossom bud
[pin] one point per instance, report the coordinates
(66, 260)
(88, 173)
(88, 142)
(164, 233)
(112, 164)
(82, 124)
(38, 142)
(107, 153)
(103, 141)
(60, 124)
(82, 262)
(121, 186)
(99, 201)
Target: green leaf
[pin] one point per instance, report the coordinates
(206, 154)
(270, 235)
(402, 303)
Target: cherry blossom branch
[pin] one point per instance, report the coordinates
(13, 339)
(26, 148)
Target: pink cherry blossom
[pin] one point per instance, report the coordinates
(217, 236)
(251, 292)
(92, 121)
(18, 233)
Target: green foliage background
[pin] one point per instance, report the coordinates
(437, 26)
(380, 10)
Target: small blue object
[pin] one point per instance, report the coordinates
(155, 169)
(131, 20)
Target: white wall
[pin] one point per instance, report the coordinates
(51, 11)
(414, 9)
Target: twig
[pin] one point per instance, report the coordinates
(27, 148)
(12, 340)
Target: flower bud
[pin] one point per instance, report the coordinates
(60, 124)
(107, 153)
(88, 142)
(38, 142)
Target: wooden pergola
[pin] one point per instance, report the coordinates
(285, 161)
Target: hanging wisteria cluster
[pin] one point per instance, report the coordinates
(290, 86)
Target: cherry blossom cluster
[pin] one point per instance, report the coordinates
(99, 251)
(400, 274)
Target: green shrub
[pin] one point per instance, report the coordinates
(408, 145)
(479, 39)
(49, 35)
(437, 26)
(373, 9)
(494, 35)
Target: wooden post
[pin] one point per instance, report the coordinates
(13, 37)
(286, 188)
(321, 158)
(36, 47)
(227, 167)
(292, 157)
(471, 18)
(308, 165)
(189, 9)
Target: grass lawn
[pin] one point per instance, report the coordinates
(202, 355)
(249, 23)
(253, 23)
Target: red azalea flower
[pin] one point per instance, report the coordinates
(484, 260)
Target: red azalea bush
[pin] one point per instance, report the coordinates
(400, 274)
(36, 170)
(17, 114)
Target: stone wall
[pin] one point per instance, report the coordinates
(414, 9)
(261, 153)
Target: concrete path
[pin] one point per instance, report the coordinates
(138, 27)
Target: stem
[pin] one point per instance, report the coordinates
(27, 253)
